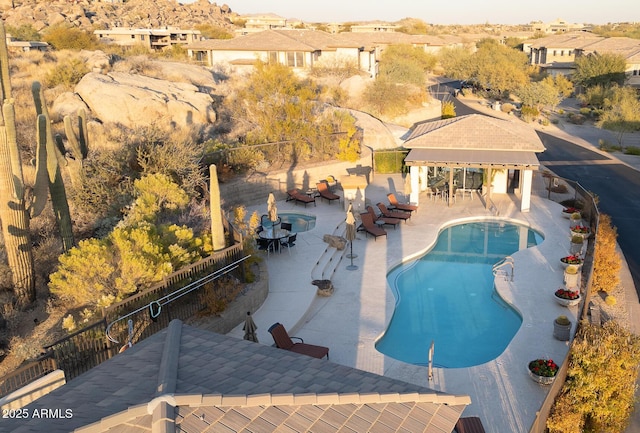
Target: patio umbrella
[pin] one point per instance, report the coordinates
(351, 234)
(272, 209)
(407, 185)
(250, 328)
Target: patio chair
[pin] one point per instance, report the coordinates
(393, 214)
(299, 197)
(331, 182)
(286, 226)
(401, 206)
(283, 341)
(325, 193)
(470, 424)
(385, 221)
(370, 227)
(289, 242)
(266, 245)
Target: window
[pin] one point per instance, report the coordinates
(273, 57)
(562, 53)
(295, 59)
(570, 53)
(555, 53)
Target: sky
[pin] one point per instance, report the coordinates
(444, 12)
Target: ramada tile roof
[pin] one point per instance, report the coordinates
(188, 379)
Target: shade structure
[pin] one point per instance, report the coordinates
(407, 185)
(272, 209)
(250, 328)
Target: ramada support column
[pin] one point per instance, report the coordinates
(526, 182)
(414, 174)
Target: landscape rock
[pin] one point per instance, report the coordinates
(67, 104)
(325, 287)
(338, 242)
(119, 97)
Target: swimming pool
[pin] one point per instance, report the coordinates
(447, 296)
(300, 222)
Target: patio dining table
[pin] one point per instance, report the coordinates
(274, 235)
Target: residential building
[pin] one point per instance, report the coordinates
(14, 45)
(152, 39)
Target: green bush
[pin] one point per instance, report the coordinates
(577, 119)
(585, 111)
(507, 107)
(632, 150)
(389, 161)
(62, 38)
(529, 113)
(67, 73)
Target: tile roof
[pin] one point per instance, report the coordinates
(565, 40)
(192, 380)
(475, 131)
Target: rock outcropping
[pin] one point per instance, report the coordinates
(95, 14)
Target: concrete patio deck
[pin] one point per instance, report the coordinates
(350, 321)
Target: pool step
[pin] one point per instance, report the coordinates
(328, 262)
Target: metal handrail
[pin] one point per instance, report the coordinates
(507, 261)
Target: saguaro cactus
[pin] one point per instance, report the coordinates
(46, 144)
(13, 210)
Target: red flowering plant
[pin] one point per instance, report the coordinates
(580, 229)
(573, 259)
(570, 210)
(567, 294)
(543, 367)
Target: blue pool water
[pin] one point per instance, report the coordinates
(300, 222)
(447, 296)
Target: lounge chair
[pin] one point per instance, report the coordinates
(401, 206)
(325, 193)
(370, 227)
(386, 221)
(283, 341)
(470, 424)
(299, 197)
(393, 214)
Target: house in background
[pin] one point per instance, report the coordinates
(303, 49)
(628, 48)
(15, 45)
(152, 39)
(191, 380)
(556, 27)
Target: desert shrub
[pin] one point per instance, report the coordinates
(71, 38)
(606, 260)
(448, 110)
(585, 111)
(632, 150)
(24, 32)
(507, 107)
(610, 300)
(529, 113)
(560, 111)
(544, 122)
(577, 119)
(554, 121)
(598, 394)
(383, 97)
(67, 73)
(216, 295)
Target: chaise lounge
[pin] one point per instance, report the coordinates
(325, 193)
(294, 194)
(401, 206)
(386, 221)
(393, 214)
(283, 341)
(370, 227)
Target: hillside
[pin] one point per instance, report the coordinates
(92, 14)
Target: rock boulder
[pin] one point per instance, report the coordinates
(137, 100)
(338, 242)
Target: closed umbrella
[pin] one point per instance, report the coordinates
(351, 234)
(272, 209)
(250, 328)
(407, 185)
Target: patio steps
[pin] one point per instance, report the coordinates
(329, 260)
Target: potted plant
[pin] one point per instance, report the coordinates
(577, 242)
(568, 211)
(580, 230)
(572, 277)
(543, 371)
(572, 259)
(567, 297)
(562, 328)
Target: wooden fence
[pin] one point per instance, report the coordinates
(90, 346)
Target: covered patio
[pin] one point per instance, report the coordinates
(460, 154)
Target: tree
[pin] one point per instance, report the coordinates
(405, 64)
(498, 67)
(621, 112)
(277, 107)
(448, 110)
(384, 97)
(600, 69)
(456, 62)
(606, 260)
(539, 94)
(211, 31)
(71, 38)
(598, 394)
(24, 32)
